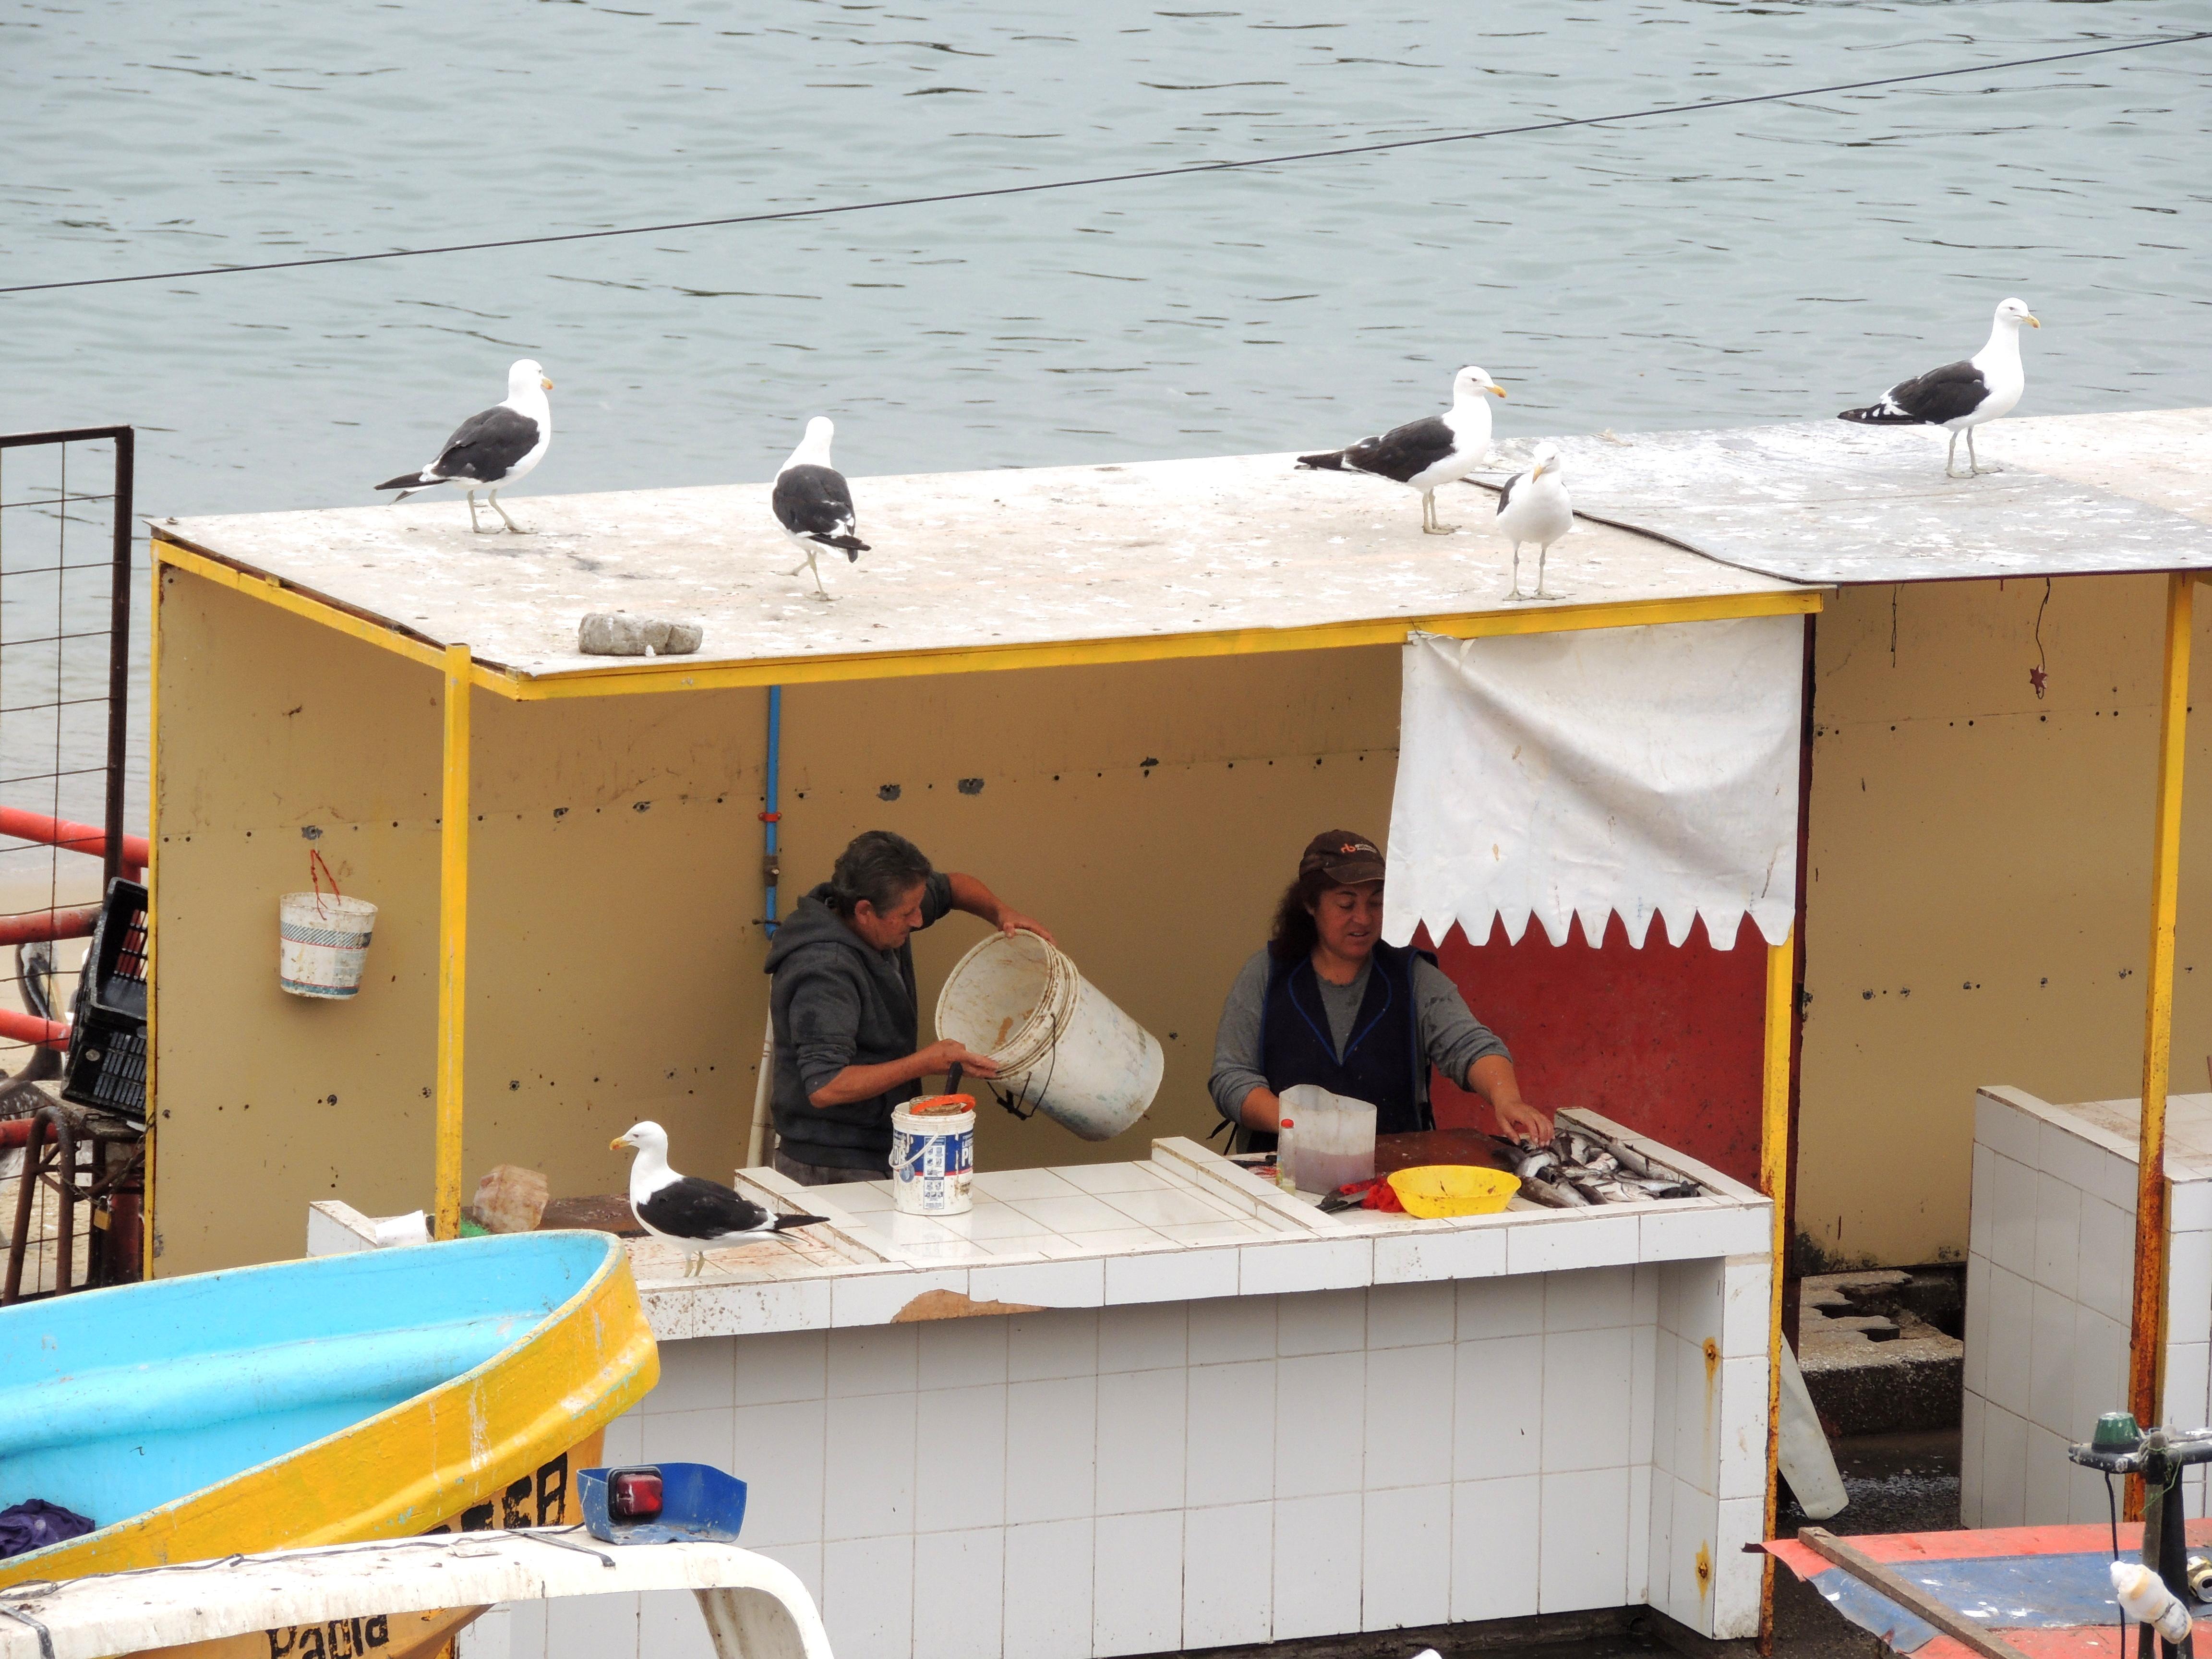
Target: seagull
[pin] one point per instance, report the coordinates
(1422, 454)
(689, 1212)
(1960, 397)
(492, 450)
(1534, 507)
(814, 504)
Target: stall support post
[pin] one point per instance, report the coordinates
(1774, 1181)
(2146, 1332)
(453, 939)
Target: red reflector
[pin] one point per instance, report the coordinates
(634, 1494)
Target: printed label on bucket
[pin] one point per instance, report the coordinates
(930, 1171)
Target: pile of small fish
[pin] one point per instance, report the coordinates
(1582, 1168)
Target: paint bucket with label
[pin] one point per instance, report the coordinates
(322, 938)
(933, 1155)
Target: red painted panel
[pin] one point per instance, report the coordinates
(1666, 1041)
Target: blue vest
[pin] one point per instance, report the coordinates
(1382, 1060)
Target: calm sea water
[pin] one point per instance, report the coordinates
(1745, 265)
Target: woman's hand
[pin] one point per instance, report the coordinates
(1011, 921)
(940, 1057)
(1518, 1120)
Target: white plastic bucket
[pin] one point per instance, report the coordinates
(1056, 1037)
(932, 1160)
(322, 943)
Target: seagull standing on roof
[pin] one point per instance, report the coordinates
(1424, 454)
(492, 450)
(1534, 507)
(693, 1214)
(814, 504)
(1960, 397)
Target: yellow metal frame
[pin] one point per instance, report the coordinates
(453, 940)
(2147, 1333)
(1774, 1181)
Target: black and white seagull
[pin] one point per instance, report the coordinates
(1960, 397)
(1534, 507)
(814, 504)
(693, 1214)
(1426, 453)
(492, 450)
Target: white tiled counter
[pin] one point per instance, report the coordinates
(2050, 1284)
(1146, 1407)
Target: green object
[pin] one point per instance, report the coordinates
(2116, 1432)
(470, 1229)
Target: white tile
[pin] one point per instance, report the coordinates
(1697, 1294)
(1074, 1213)
(1735, 1574)
(2101, 1367)
(1501, 1306)
(1697, 1414)
(791, 1304)
(1317, 1264)
(1321, 1322)
(988, 1222)
(1460, 1253)
(858, 1198)
(2189, 1283)
(1009, 1185)
(1048, 1605)
(1408, 1570)
(778, 1452)
(1220, 1233)
(1237, 1328)
(867, 1299)
(1747, 1308)
(1231, 1413)
(872, 1360)
(2046, 1485)
(2184, 1397)
(955, 1353)
(1578, 1238)
(780, 1365)
(965, 1485)
(2190, 1210)
(1141, 1432)
(1642, 1391)
(959, 1593)
(1228, 1576)
(2050, 1359)
(2067, 1156)
(2057, 1234)
(2116, 1182)
(1319, 1430)
(1164, 1207)
(1411, 1316)
(595, 1627)
(1494, 1548)
(1693, 1227)
(1051, 1344)
(2012, 1220)
(1645, 1305)
(526, 1630)
(1487, 1442)
(2107, 1280)
(1981, 1197)
(1743, 1428)
(1639, 1534)
(1137, 1585)
(1659, 1557)
(1040, 1284)
(803, 1559)
(1975, 1368)
(687, 1437)
(1410, 1400)
(1971, 1410)
(2007, 1130)
(1143, 1338)
(694, 1376)
(1691, 1528)
(868, 1597)
(2012, 1314)
(2086, 1502)
(490, 1635)
(1590, 1299)
(1171, 1276)
(868, 1467)
(2004, 1459)
(1584, 1560)
(1113, 1241)
(1316, 1573)
(625, 1440)
(1658, 1349)
(1585, 1401)
(1052, 1438)
(1099, 1178)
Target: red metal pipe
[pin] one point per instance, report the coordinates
(71, 837)
(34, 926)
(29, 1027)
(16, 1132)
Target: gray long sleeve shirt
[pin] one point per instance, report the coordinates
(1452, 1038)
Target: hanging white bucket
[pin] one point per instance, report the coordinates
(322, 943)
(1058, 1040)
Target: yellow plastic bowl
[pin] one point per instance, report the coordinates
(1442, 1189)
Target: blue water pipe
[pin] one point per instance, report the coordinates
(771, 872)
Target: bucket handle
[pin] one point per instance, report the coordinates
(317, 869)
(1012, 1103)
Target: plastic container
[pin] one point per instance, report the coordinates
(324, 943)
(1440, 1189)
(933, 1156)
(1062, 1046)
(1335, 1138)
(106, 1065)
(1286, 1137)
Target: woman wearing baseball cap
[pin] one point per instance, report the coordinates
(1327, 1002)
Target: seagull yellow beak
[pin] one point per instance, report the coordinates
(2032, 321)
(1536, 472)
(545, 382)
(1494, 387)
(617, 1143)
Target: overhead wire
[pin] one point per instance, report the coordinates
(1188, 170)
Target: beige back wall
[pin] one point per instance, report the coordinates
(1148, 813)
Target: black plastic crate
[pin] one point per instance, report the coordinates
(107, 1066)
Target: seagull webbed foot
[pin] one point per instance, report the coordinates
(1440, 529)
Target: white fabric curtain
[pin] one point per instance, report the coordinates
(1646, 772)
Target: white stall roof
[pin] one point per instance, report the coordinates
(1830, 503)
(961, 562)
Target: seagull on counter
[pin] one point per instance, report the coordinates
(493, 449)
(1424, 454)
(1960, 397)
(693, 1214)
(1534, 507)
(814, 504)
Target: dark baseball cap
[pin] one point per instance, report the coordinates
(1343, 857)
